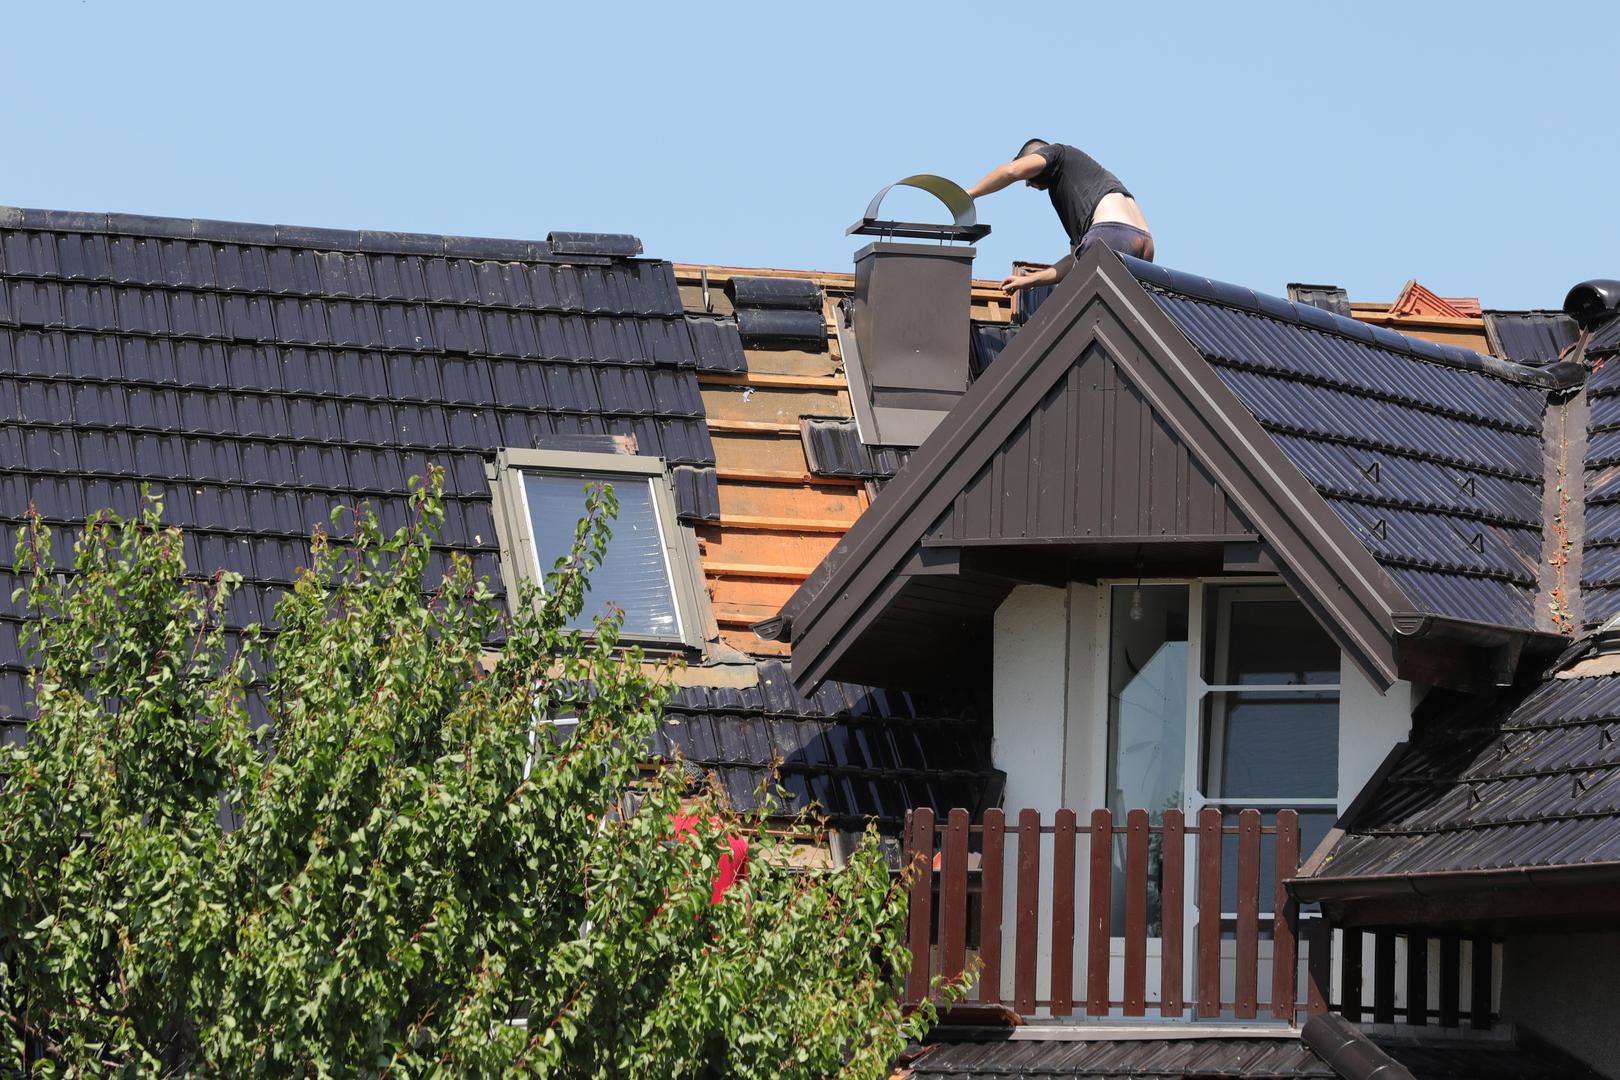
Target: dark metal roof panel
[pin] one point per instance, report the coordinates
(1605, 339)
(859, 752)
(717, 344)
(1531, 784)
(833, 447)
(1445, 541)
(1388, 479)
(1241, 337)
(1476, 599)
(1530, 337)
(985, 342)
(1346, 416)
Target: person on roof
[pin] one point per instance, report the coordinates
(1092, 204)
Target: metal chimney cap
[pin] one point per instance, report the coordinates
(965, 225)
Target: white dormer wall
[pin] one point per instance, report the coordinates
(1050, 717)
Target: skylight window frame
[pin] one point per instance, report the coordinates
(520, 561)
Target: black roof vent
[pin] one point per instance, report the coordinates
(1593, 302)
(613, 245)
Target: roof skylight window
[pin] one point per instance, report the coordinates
(648, 570)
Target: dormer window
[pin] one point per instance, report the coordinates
(649, 570)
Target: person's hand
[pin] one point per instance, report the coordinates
(1016, 283)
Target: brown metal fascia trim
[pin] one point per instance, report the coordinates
(1447, 882)
(1315, 547)
(1086, 541)
(1349, 1053)
(837, 605)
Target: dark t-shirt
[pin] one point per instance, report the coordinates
(1076, 184)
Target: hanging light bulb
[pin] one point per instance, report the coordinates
(1136, 603)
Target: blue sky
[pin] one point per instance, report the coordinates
(1469, 146)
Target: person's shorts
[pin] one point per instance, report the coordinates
(1119, 237)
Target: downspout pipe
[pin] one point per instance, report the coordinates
(1349, 1053)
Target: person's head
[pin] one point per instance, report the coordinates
(1029, 147)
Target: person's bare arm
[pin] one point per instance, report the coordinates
(1029, 279)
(1003, 175)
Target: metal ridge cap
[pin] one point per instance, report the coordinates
(1346, 1050)
(1225, 294)
(300, 236)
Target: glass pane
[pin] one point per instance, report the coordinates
(1147, 719)
(1313, 825)
(1147, 697)
(634, 575)
(1263, 636)
(1271, 745)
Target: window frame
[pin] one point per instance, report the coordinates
(520, 560)
(1193, 798)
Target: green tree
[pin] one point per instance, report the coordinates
(403, 872)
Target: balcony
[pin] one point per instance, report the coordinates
(1073, 921)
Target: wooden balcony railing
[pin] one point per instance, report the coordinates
(1035, 902)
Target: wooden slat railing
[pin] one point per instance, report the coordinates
(994, 896)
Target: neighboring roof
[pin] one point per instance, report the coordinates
(793, 474)
(1493, 799)
(1388, 474)
(855, 754)
(1159, 1059)
(1419, 299)
(1530, 337)
(258, 375)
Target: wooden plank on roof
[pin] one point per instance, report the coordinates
(752, 570)
(817, 501)
(780, 382)
(749, 453)
(774, 404)
(764, 427)
(765, 547)
(828, 525)
(763, 476)
(798, 362)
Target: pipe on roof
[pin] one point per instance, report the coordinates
(1349, 1053)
